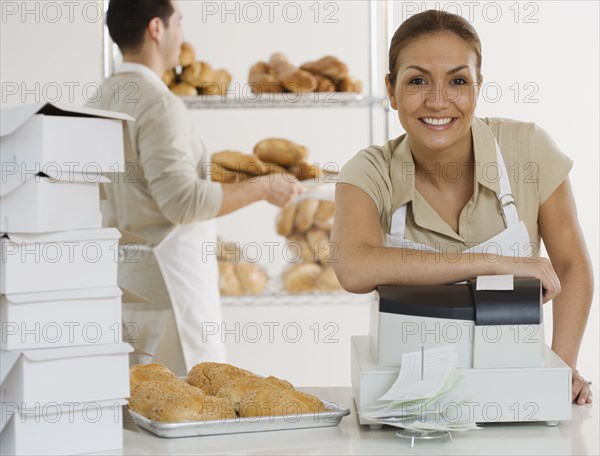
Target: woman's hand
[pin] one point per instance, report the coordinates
(581, 392)
(540, 268)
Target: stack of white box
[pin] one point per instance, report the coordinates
(64, 367)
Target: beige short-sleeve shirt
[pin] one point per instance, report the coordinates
(535, 167)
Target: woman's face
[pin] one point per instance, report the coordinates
(436, 91)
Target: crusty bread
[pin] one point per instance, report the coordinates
(328, 66)
(187, 55)
(305, 215)
(251, 277)
(140, 373)
(325, 214)
(183, 89)
(280, 151)
(229, 284)
(285, 219)
(301, 277)
(240, 162)
(176, 401)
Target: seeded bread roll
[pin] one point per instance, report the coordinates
(305, 215)
(210, 377)
(140, 373)
(176, 401)
(277, 402)
(301, 277)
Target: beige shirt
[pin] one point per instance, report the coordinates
(535, 165)
(165, 182)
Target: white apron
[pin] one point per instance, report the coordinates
(191, 283)
(193, 287)
(501, 244)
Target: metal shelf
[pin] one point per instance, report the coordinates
(275, 295)
(282, 100)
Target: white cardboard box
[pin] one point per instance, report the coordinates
(64, 375)
(90, 316)
(47, 138)
(65, 260)
(63, 429)
(52, 203)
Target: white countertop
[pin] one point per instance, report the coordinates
(579, 436)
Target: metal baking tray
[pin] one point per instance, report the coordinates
(330, 417)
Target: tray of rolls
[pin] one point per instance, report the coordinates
(217, 399)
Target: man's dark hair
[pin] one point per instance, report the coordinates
(127, 20)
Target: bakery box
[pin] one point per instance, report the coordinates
(64, 375)
(89, 316)
(64, 260)
(39, 137)
(63, 429)
(45, 203)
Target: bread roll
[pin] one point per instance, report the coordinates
(187, 55)
(219, 84)
(251, 277)
(318, 241)
(229, 284)
(285, 219)
(325, 214)
(349, 84)
(262, 81)
(172, 402)
(328, 281)
(228, 251)
(183, 89)
(140, 373)
(301, 277)
(300, 250)
(324, 84)
(240, 162)
(210, 377)
(169, 77)
(328, 66)
(220, 174)
(305, 215)
(304, 171)
(277, 402)
(298, 81)
(280, 151)
(197, 74)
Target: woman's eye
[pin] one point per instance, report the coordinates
(459, 81)
(417, 81)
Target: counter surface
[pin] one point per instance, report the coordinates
(578, 437)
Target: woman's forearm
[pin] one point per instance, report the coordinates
(570, 310)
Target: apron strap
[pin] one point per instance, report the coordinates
(506, 200)
(398, 222)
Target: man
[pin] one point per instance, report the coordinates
(165, 196)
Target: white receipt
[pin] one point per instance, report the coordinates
(438, 364)
(495, 282)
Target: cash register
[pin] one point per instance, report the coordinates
(507, 371)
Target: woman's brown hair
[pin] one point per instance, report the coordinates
(428, 22)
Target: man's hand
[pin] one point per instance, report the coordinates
(281, 190)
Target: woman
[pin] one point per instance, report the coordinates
(458, 196)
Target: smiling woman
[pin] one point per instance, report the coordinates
(438, 205)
